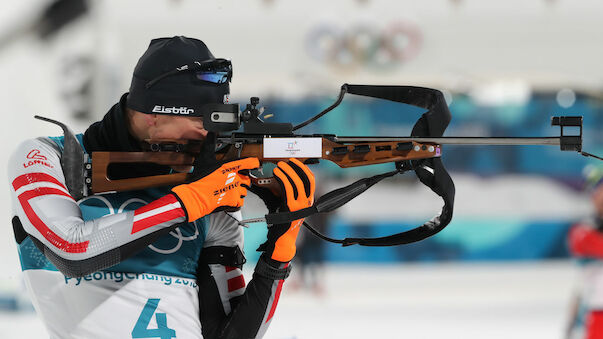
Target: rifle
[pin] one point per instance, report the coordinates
(272, 142)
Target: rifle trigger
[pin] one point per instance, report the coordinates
(239, 147)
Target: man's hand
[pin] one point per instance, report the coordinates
(298, 186)
(224, 187)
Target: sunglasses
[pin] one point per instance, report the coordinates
(217, 71)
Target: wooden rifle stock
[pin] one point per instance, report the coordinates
(344, 154)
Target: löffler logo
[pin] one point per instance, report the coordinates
(36, 154)
(36, 158)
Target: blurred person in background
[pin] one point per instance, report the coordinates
(586, 243)
(163, 262)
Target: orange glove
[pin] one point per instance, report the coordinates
(298, 186)
(224, 187)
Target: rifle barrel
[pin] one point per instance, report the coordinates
(459, 140)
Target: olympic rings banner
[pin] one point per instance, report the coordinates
(364, 45)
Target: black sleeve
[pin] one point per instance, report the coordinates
(226, 314)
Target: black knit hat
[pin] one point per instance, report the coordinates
(180, 93)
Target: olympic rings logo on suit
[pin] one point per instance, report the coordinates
(364, 45)
(177, 233)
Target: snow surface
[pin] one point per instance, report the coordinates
(449, 300)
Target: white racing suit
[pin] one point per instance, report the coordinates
(127, 265)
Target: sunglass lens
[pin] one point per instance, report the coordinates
(214, 77)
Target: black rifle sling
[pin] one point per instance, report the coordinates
(330, 201)
(430, 172)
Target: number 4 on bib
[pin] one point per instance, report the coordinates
(142, 330)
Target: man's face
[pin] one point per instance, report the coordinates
(177, 127)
